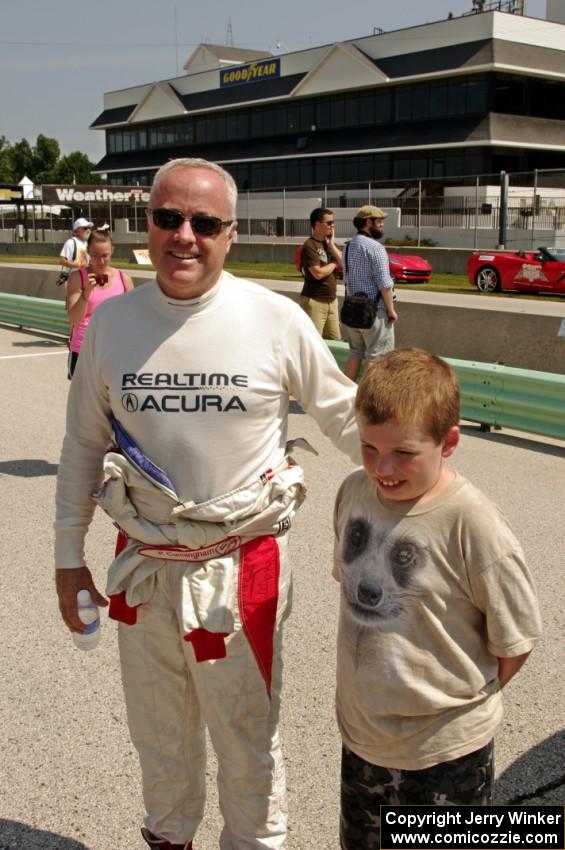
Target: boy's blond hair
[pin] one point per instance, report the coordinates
(410, 386)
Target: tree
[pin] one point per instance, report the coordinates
(21, 156)
(6, 172)
(46, 154)
(75, 168)
(43, 163)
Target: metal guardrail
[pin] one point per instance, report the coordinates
(522, 399)
(28, 312)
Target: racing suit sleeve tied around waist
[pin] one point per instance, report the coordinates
(226, 549)
(258, 582)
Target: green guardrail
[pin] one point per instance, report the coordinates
(522, 399)
(502, 396)
(27, 312)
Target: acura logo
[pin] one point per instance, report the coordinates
(130, 402)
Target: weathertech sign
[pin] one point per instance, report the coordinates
(99, 194)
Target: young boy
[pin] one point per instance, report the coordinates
(438, 609)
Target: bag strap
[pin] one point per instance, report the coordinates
(345, 250)
(73, 258)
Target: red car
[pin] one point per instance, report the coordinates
(518, 271)
(403, 268)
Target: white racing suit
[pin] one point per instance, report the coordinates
(203, 387)
(215, 574)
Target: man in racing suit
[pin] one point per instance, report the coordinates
(189, 379)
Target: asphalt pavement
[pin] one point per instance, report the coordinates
(69, 777)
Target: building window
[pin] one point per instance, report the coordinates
(476, 95)
(456, 97)
(420, 102)
(323, 115)
(510, 94)
(438, 99)
(403, 103)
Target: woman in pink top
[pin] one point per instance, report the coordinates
(89, 286)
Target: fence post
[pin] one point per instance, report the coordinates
(419, 211)
(369, 193)
(534, 199)
(284, 212)
(248, 219)
(476, 212)
(325, 196)
(503, 222)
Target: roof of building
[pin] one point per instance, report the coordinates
(472, 54)
(208, 57)
(235, 54)
(482, 54)
(264, 90)
(117, 116)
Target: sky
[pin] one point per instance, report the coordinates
(57, 57)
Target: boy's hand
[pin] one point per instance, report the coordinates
(508, 667)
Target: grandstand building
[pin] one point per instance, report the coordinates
(470, 95)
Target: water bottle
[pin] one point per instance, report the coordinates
(88, 614)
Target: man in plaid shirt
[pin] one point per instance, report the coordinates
(367, 271)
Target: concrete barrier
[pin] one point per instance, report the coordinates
(492, 335)
(39, 281)
(521, 340)
(442, 260)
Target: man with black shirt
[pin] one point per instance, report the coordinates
(319, 259)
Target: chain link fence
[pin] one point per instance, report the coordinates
(461, 212)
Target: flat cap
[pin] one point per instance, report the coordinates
(371, 212)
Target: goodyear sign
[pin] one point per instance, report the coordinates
(254, 72)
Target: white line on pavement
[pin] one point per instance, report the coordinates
(41, 354)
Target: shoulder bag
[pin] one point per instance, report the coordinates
(357, 311)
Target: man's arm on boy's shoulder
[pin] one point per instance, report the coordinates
(508, 667)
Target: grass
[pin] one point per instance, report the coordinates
(455, 284)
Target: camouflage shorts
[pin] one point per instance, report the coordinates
(364, 787)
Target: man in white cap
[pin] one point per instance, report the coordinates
(74, 253)
(367, 272)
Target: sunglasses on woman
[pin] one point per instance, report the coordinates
(202, 225)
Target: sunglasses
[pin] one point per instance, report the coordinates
(202, 225)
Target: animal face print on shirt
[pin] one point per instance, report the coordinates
(381, 571)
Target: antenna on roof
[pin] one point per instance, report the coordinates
(229, 34)
(176, 43)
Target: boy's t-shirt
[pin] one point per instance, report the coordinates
(431, 593)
